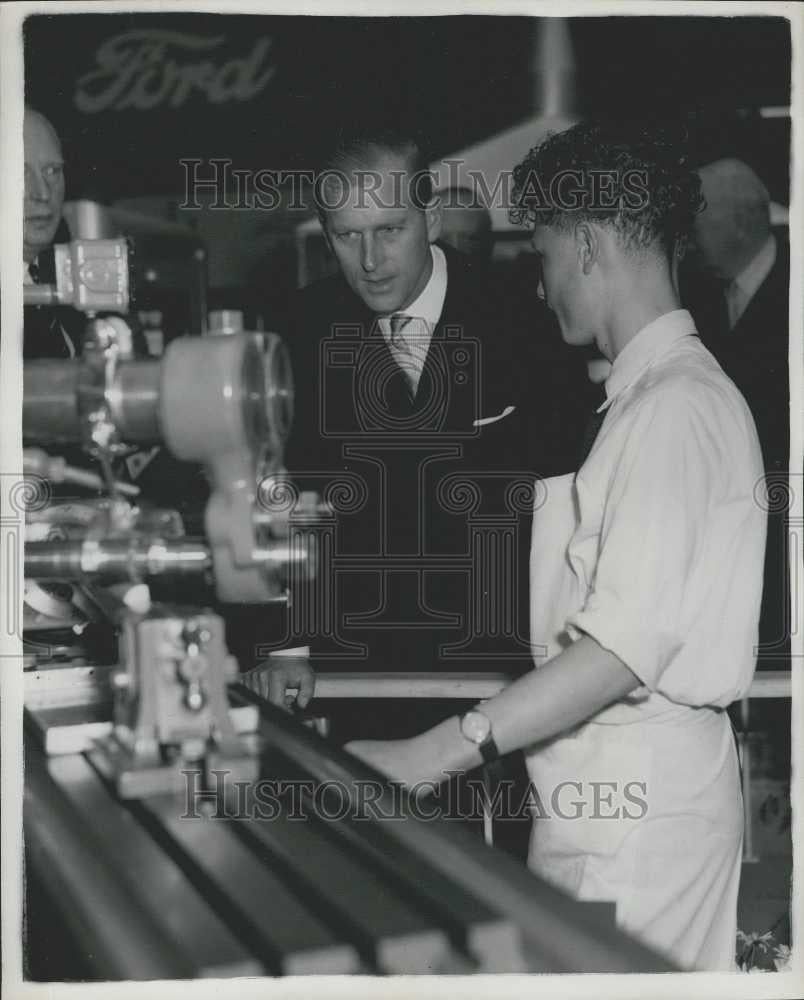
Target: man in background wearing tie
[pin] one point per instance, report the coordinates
(49, 332)
(743, 318)
(44, 184)
(733, 241)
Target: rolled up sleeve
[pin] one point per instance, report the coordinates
(652, 567)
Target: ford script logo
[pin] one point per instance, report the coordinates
(148, 68)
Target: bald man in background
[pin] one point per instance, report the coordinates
(50, 331)
(736, 284)
(746, 323)
(44, 185)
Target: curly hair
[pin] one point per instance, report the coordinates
(635, 178)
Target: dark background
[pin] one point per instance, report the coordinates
(460, 78)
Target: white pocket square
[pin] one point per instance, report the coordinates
(482, 421)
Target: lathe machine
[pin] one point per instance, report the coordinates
(176, 826)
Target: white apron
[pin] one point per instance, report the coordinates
(641, 806)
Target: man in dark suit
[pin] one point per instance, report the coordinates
(418, 416)
(410, 390)
(737, 287)
(50, 332)
(44, 184)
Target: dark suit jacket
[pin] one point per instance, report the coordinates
(754, 353)
(754, 356)
(43, 325)
(427, 497)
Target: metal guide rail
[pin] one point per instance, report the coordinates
(473, 686)
(175, 825)
(298, 872)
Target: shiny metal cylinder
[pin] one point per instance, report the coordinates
(212, 401)
(113, 560)
(50, 412)
(53, 560)
(134, 401)
(40, 295)
(49, 401)
(278, 389)
(89, 220)
(291, 561)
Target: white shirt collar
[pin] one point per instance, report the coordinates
(650, 343)
(759, 267)
(430, 302)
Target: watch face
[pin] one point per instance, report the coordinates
(476, 727)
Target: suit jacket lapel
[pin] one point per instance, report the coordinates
(771, 297)
(440, 366)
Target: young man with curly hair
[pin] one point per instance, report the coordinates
(646, 570)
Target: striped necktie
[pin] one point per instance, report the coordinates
(405, 350)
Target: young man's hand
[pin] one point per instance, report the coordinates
(282, 680)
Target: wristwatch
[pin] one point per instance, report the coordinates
(476, 727)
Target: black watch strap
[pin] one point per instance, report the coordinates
(488, 749)
(472, 724)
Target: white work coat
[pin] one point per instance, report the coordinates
(655, 549)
